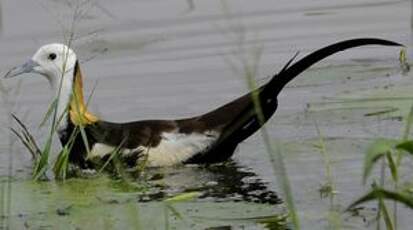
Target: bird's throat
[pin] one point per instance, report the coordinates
(78, 112)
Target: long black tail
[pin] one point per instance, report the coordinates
(280, 80)
(247, 122)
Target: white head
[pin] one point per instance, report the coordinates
(53, 61)
(57, 63)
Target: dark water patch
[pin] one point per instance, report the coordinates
(218, 183)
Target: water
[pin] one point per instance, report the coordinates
(169, 59)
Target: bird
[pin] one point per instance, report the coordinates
(204, 139)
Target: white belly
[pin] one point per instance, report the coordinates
(174, 148)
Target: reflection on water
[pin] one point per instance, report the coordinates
(231, 197)
(218, 183)
(238, 184)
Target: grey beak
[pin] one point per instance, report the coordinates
(25, 68)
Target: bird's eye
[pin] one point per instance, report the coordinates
(52, 56)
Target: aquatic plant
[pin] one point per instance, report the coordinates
(390, 153)
(328, 189)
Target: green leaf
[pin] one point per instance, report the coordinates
(406, 146)
(41, 166)
(60, 167)
(376, 150)
(377, 193)
(392, 166)
(183, 197)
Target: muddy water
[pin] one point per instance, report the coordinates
(171, 59)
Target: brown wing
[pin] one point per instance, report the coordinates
(130, 135)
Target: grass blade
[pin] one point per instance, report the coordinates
(34, 152)
(408, 125)
(188, 196)
(386, 215)
(376, 150)
(377, 193)
(48, 113)
(112, 156)
(26, 133)
(392, 166)
(61, 165)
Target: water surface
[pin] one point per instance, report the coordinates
(171, 59)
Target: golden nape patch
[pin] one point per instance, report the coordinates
(79, 115)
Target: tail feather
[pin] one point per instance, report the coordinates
(280, 80)
(247, 122)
